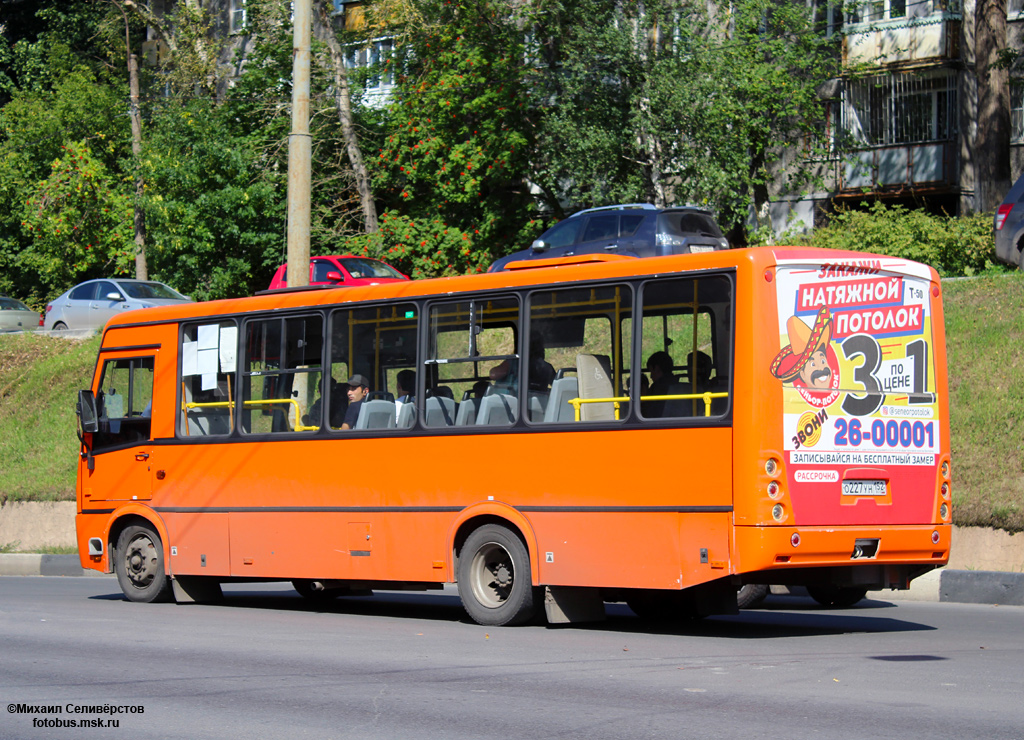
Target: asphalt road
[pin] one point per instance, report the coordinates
(265, 664)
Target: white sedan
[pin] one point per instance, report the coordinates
(91, 304)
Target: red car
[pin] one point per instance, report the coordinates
(342, 270)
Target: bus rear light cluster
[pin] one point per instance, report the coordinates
(794, 540)
(771, 466)
(936, 537)
(778, 512)
(944, 512)
(945, 491)
(774, 490)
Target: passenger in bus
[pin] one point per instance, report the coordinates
(700, 366)
(505, 377)
(358, 389)
(339, 404)
(405, 386)
(659, 366)
(542, 373)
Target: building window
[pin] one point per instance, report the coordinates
(374, 60)
(236, 16)
(1017, 111)
(900, 109)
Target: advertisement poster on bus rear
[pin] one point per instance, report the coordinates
(856, 365)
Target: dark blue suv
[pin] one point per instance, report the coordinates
(634, 230)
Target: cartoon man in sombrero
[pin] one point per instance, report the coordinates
(804, 361)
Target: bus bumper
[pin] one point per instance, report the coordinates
(882, 557)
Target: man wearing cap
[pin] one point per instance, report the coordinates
(358, 388)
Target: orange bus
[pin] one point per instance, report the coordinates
(551, 437)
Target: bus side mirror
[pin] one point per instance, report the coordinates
(86, 410)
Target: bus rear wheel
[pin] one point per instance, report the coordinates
(836, 596)
(139, 564)
(751, 596)
(494, 578)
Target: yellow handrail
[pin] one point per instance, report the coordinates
(299, 426)
(706, 397)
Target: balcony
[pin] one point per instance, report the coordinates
(918, 167)
(903, 41)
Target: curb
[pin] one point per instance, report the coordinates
(30, 564)
(955, 586)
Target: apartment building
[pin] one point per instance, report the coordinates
(904, 117)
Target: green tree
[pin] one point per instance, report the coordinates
(78, 217)
(82, 111)
(664, 101)
(451, 164)
(215, 215)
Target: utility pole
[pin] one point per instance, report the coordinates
(300, 148)
(139, 221)
(141, 267)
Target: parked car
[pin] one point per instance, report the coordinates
(91, 304)
(16, 316)
(343, 270)
(1009, 226)
(635, 230)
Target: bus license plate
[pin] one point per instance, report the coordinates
(863, 487)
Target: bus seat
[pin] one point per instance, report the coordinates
(536, 402)
(468, 410)
(407, 416)
(381, 396)
(439, 411)
(442, 391)
(594, 383)
(497, 409)
(377, 414)
(559, 408)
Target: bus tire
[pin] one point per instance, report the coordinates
(838, 597)
(751, 596)
(495, 585)
(139, 564)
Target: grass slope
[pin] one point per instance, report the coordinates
(40, 376)
(985, 341)
(39, 380)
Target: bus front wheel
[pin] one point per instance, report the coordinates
(139, 563)
(494, 578)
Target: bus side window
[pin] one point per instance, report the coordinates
(124, 402)
(379, 343)
(281, 375)
(207, 375)
(473, 357)
(579, 350)
(686, 341)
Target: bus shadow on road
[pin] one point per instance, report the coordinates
(788, 617)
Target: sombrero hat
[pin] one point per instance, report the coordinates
(803, 342)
